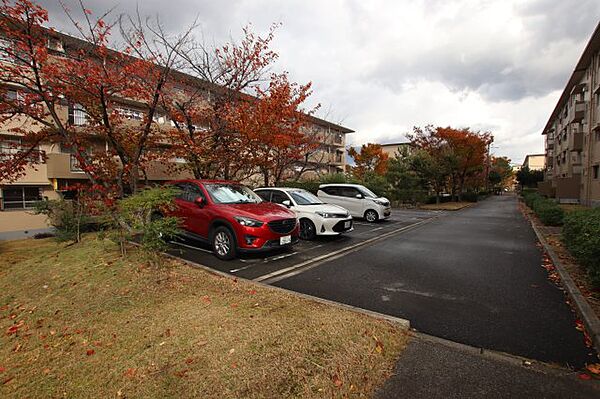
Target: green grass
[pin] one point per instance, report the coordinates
(80, 321)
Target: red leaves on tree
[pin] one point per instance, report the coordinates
(370, 159)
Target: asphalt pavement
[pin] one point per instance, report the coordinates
(473, 277)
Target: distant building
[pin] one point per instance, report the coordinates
(393, 148)
(572, 134)
(535, 161)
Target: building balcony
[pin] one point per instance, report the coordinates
(577, 112)
(577, 144)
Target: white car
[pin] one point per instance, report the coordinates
(316, 218)
(359, 200)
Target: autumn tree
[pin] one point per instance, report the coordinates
(228, 75)
(466, 149)
(501, 172)
(370, 159)
(93, 81)
(270, 125)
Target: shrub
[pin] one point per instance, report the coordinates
(581, 235)
(309, 185)
(68, 217)
(549, 212)
(142, 215)
(469, 196)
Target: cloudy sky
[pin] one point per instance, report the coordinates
(382, 67)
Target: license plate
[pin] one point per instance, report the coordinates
(347, 224)
(285, 240)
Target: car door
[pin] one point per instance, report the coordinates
(352, 202)
(199, 216)
(333, 195)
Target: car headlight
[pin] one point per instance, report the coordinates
(380, 202)
(248, 222)
(327, 215)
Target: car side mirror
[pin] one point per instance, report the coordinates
(287, 203)
(200, 202)
(359, 196)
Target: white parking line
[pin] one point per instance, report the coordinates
(190, 247)
(309, 264)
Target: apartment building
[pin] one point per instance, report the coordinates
(61, 169)
(391, 149)
(535, 162)
(572, 134)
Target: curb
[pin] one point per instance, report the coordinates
(392, 319)
(590, 320)
(513, 360)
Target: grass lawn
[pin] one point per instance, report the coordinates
(80, 321)
(446, 206)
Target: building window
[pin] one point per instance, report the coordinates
(20, 197)
(11, 145)
(596, 171)
(130, 113)
(55, 45)
(6, 54)
(77, 115)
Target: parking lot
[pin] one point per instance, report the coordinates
(471, 276)
(273, 266)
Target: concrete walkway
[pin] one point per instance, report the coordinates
(433, 368)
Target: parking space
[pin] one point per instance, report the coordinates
(266, 265)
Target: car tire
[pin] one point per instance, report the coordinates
(308, 231)
(371, 216)
(223, 243)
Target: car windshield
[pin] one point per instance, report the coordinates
(224, 193)
(303, 197)
(367, 193)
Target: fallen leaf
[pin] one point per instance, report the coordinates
(189, 360)
(252, 292)
(231, 351)
(234, 305)
(202, 343)
(593, 368)
(584, 376)
(2, 369)
(90, 352)
(206, 299)
(46, 371)
(336, 380)
(130, 373)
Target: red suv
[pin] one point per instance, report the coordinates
(232, 218)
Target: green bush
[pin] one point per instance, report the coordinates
(581, 235)
(469, 196)
(549, 212)
(142, 215)
(68, 217)
(546, 209)
(309, 185)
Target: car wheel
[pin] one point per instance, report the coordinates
(308, 231)
(223, 243)
(371, 216)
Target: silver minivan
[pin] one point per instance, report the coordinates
(357, 199)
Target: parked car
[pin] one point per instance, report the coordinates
(359, 200)
(232, 218)
(315, 217)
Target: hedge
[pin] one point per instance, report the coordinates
(546, 209)
(581, 235)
